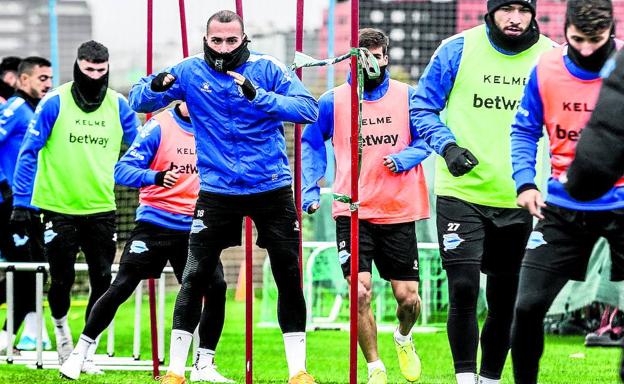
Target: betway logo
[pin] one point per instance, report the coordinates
(88, 139)
(369, 140)
(498, 102)
(183, 168)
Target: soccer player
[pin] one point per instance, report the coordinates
(393, 196)
(477, 78)
(162, 162)
(561, 94)
(237, 100)
(599, 159)
(22, 241)
(65, 168)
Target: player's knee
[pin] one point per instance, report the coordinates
(63, 280)
(364, 297)
(464, 291)
(410, 301)
(217, 288)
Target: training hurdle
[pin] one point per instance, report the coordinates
(43, 359)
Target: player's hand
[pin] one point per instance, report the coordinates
(20, 220)
(162, 82)
(314, 207)
(389, 163)
(5, 190)
(166, 179)
(531, 199)
(459, 161)
(246, 86)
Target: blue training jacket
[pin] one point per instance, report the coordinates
(14, 119)
(526, 131)
(133, 170)
(241, 148)
(314, 154)
(37, 135)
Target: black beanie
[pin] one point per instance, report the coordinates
(493, 5)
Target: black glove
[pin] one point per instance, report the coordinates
(157, 84)
(5, 190)
(21, 219)
(248, 90)
(458, 160)
(160, 178)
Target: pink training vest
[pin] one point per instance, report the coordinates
(385, 197)
(568, 104)
(176, 151)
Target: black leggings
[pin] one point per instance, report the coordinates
(290, 305)
(462, 326)
(536, 292)
(125, 283)
(64, 237)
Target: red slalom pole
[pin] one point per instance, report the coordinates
(249, 297)
(298, 128)
(185, 51)
(355, 235)
(150, 282)
(248, 279)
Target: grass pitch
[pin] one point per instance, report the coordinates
(327, 355)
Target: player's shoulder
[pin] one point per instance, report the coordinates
(52, 99)
(266, 60)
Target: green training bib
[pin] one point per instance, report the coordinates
(76, 165)
(480, 110)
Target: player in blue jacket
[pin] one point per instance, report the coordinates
(238, 101)
(20, 243)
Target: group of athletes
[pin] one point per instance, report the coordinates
(217, 153)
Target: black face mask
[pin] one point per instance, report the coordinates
(370, 84)
(88, 93)
(223, 62)
(596, 60)
(514, 44)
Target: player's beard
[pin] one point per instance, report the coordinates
(513, 44)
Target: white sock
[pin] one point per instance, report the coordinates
(295, 346)
(30, 325)
(92, 347)
(178, 350)
(60, 323)
(402, 339)
(374, 365)
(485, 380)
(204, 357)
(61, 328)
(466, 378)
(83, 346)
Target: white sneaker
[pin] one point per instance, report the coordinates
(90, 368)
(64, 343)
(208, 373)
(72, 366)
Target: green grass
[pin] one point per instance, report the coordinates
(327, 355)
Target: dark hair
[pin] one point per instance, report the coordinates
(373, 38)
(225, 16)
(93, 52)
(590, 16)
(9, 64)
(28, 64)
